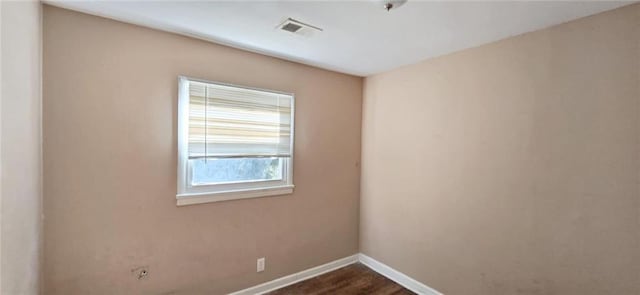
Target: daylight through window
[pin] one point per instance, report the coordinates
(234, 142)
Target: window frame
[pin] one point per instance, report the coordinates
(188, 194)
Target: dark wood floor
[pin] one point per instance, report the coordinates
(352, 279)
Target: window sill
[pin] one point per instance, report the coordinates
(200, 198)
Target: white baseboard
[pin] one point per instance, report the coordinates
(297, 277)
(397, 276)
(373, 264)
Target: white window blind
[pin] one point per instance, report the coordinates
(229, 122)
(233, 142)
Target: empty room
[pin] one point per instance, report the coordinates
(383, 147)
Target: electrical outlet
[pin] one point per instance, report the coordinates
(260, 265)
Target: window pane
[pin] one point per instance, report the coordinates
(212, 171)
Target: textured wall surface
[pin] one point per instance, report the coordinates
(110, 161)
(511, 168)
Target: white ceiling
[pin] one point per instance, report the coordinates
(359, 37)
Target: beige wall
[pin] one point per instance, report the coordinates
(20, 145)
(110, 148)
(511, 168)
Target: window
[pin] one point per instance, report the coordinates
(233, 142)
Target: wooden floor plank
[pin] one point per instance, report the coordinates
(355, 279)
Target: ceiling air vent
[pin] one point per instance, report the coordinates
(298, 27)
